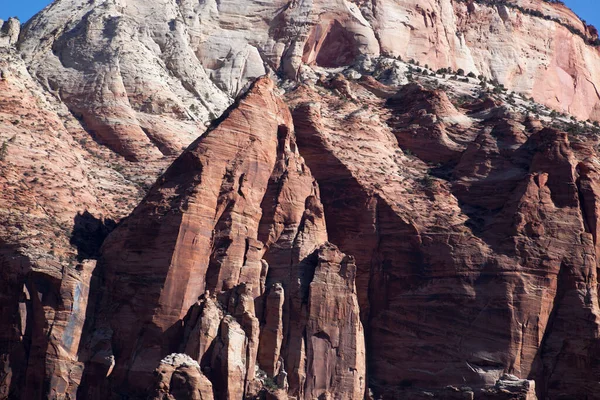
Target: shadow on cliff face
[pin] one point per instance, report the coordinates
(14, 343)
(330, 45)
(88, 235)
(26, 294)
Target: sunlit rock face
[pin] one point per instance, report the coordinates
(237, 215)
(245, 199)
(145, 76)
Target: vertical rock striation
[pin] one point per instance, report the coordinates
(348, 238)
(235, 213)
(446, 266)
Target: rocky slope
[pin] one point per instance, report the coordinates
(143, 75)
(351, 226)
(468, 254)
(60, 195)
(236, 223)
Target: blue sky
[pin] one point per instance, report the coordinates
(25, 9)
(586, 9)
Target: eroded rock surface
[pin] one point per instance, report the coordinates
(60, 195)
(239, 195)
(9, 32)
(457, 244)
(145, 76)
(178, 377)
(337, 233)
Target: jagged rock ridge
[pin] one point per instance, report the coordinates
(344, 237)
(234, 222)
(166, 59)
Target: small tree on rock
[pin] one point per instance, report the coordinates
(3, 151)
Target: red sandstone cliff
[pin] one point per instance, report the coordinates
(235, 222)
(465, 267)
(337, 235)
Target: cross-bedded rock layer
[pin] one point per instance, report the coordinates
(145, 76)
(344, 239)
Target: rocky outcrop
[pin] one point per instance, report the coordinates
(464, 234)
(60, 194)
(271, 336)
(237, 212)
(230, 360)
(198, 207)
(36, 355)
(434, 239)
(425, 121)
(142, 108)
(9, 32)
(201, 329)
(335, 350)
(470, 36)
(509, 386)
(179, 377)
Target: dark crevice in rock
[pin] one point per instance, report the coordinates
(88, 235)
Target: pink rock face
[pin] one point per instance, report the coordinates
(271, 336)
(95, 56)
(60, 194)
(460, 280)
(335, 47)
(201, 328)
(444, 267)
(543, 59)
(241, 193)
(334, 347)
(207, 201)
(346, 239)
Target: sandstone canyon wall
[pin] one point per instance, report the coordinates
(245, 199)
(237, 216)
(121, 64)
